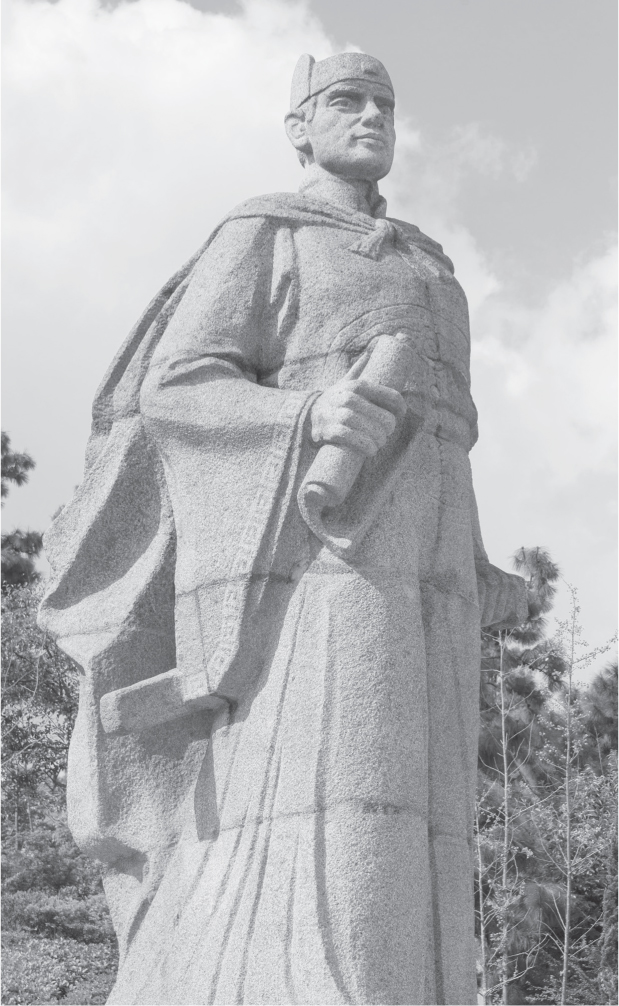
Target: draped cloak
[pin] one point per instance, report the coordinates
(312, 842)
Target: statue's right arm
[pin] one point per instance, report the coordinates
(231, 447)
(216, 331)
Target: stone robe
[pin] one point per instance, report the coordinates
(312, 842)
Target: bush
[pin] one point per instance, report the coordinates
(58, 941)
(53, 915)
(39, 705)
(47, 859)
(39, 970)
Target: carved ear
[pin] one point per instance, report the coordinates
(296, 130)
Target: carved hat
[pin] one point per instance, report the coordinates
(310, 78)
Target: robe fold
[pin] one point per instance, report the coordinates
(312, 842)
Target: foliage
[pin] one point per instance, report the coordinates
(36, 969)
(592, 957)
(517, 665)
(19, 548)
(15, 467)
(599, 707)
(39, 705)
(85, 919)
(546, 811)
(47, 859)
(59, 943)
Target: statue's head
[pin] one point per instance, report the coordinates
(341, 115)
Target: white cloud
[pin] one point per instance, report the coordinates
(467, 147)
(544, 380)
(115, 114)
(441, 166)
(426, 186)
(549, 372)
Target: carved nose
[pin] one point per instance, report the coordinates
(372, 113)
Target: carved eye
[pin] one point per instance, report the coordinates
(344, 101)
(384, 107)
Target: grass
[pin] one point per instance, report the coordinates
(45, 970)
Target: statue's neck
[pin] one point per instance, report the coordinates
(348, 193)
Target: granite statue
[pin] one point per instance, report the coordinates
(272, 578)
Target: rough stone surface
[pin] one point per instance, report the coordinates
(307, 839)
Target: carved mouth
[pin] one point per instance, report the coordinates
(371, 136)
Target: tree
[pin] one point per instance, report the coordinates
(19, 548)
(58, 939)
(515, 663)
(39, 705)
(15, 467)
(599, 705)
(584, 818)
(575, 860)
(546, 822)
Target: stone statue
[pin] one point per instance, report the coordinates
(272, 578)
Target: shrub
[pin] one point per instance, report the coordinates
(48, 859)
(50, 915)
(39, 970)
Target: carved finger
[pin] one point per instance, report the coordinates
(377, 418)
(338, 433)
(379, 394)
(379, 433)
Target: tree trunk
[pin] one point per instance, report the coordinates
(568, 811)
(505, 848)
(608, 957)
(482, 916)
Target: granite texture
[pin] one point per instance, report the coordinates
(280, 778)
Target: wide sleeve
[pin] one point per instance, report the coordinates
(172, 532)
(231, 448)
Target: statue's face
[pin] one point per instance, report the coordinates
(351, 133)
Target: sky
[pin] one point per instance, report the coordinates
(131, 128)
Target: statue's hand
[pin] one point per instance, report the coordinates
(358, 414)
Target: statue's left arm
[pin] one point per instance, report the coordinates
(502, 596)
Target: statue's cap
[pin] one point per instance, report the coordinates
(310, 78)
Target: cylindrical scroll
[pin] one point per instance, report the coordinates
(335, 468)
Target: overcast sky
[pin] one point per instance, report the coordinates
(131, 128)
